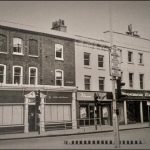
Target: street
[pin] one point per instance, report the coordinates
(58, 142)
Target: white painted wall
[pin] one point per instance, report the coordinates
(93, 69)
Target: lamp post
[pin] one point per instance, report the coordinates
(114, 73)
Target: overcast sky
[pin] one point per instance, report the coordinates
(85, 18)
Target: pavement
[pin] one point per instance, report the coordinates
(83, 130)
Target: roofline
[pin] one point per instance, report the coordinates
(127, 35)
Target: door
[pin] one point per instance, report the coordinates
(31, 118)
(105, 115)
(92, 114)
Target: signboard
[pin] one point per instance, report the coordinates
(115, 62)
(89, 96)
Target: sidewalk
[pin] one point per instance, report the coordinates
(86, 130)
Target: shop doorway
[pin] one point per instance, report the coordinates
(105, 115)
(32, 118)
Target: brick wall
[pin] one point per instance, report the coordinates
(45, 63)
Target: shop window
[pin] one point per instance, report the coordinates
(131, 80)
(2, 73)
(100, 61)
(3, 43)
(83, 112)
(11, 115)
(141, 76)
(130, 57)
(33, 75)
(101, 83)
(86, 59)
(33, 47)
(17, 75)
(57, 113)
(59, 52)
(87, 82)
(17, 46)
(59, 78)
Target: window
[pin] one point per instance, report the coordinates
(59, 78)
(3, 43)
(140, 58)
(100, 61)
(141, 81)
(33, 47)
(17, 46)
(101, 83)
(2, 74)
(59, 52)
(17, 75)
(86, 59)
(130, 56)
(131, 80)
(87, 82)
(32, 75)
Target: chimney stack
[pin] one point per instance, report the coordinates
(59, 25)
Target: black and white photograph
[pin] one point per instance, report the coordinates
(74, 74)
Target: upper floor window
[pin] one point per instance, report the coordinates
(59, 52)
(130, 56)
(87, 82)
(140, 58)
(131, 80)
(87, 59)
(100, 61)
(17, 75)
(32, 75)
(141, 76)
(101, 83)
(33, 47)
(17, 46)
(2, 73)
(3, 43)
(59, 77)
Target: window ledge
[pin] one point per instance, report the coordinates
(61, 59)
(141, 64)
(130, 63)
(20, 54)
(3, 52)
(101, 69)
(33, 56)
(87, 67)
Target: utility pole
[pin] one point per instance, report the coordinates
(115, 117)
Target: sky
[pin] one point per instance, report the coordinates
(84, 18)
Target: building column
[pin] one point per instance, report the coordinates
(26, 124)
(125, 111)
(74, 117)
(141, 111)
(42, 125)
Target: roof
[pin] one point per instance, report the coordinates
(49, 31)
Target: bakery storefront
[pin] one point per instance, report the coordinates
(86, 113)
(135, 106)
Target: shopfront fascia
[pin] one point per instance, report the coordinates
(86, 108)
(135, 105)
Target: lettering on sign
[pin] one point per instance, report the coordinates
(115, 62)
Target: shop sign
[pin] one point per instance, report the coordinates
(89, 96)
(132, 94)
(59, 97)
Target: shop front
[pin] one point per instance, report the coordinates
(87, 112)
(18, 111)
(135, 106)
